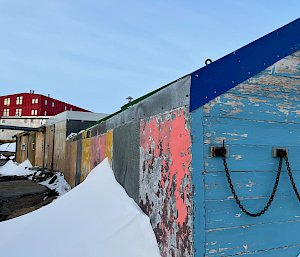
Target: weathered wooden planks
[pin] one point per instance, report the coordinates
(252, 118)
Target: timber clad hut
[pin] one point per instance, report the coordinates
(205, 198)
(46, 148)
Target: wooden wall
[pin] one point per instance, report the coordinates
(261, 113)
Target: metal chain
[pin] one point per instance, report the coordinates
(291, 177)
(237, 200)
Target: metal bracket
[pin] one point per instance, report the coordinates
(217, 151)
(279, 152)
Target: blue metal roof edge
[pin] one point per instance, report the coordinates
(220, 76)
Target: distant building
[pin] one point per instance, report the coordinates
(29, 110)
(31, 104)
(47, 148)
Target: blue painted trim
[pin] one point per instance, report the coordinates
(229, 71)
(199, 235)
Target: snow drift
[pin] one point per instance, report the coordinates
(13, 169)
(96, 218)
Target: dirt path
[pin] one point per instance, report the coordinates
(19, 196)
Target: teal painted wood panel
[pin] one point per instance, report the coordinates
(251, 158)
(253, 238)
(258, 114)
(253, 107)
(248, 185)
(199, 226)
(226, 213)
(250, 132)
(290, 251)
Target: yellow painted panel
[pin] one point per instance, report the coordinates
(109, 145)
(86, 158)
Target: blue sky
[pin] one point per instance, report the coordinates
(95, 53)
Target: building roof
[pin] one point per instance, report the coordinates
(221, 75)
(75, 115)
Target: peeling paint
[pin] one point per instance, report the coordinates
(165, 180)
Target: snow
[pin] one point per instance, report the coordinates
(13, 169)
(94, 219)
(8, 147)
(56, 182)
(71, 135)
(59, 184)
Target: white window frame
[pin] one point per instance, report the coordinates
(7, 101)
(35, 100)
(19, 100)
(6, 112)
(18, 112)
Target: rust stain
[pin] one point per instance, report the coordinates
(165, 180)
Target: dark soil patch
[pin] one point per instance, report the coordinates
(20, 196)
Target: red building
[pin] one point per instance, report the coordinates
(31, 104)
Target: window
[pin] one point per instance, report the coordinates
(52, 104)
(65, 108)
(7, 101)
(6, 112)
(46, 102)
(19, 100)
(33, 112)
(35, 100)
(45, 113)
(18, 112)
(23, 147)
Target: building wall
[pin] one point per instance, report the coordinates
(258, 114)
(23, 152)
(161, 119)
(31, 148)
(43, 105)
(84, 154)
(39, 149)
(49, 147)
(165, 180)
(59, 146)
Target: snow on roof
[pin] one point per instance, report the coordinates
(94, 219)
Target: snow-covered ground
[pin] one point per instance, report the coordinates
(95, 219)
(8, 147)
(55, 182)
(13, 169)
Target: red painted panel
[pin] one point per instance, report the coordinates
(98, 149)
(165, 180)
